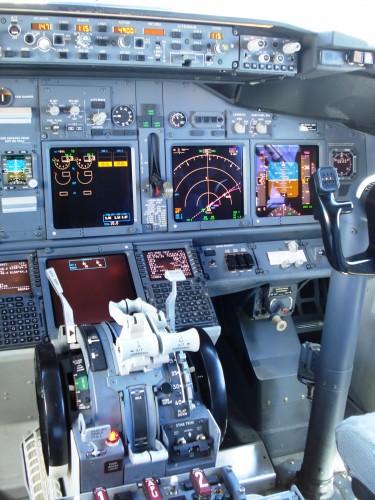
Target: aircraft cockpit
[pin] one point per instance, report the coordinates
(186, 254)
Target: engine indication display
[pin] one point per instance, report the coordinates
(207, 183)
(91, 187)
(282, 175)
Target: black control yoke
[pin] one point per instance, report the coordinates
(327, 210)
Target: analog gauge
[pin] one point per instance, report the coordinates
(177, 119)
(6, 97)
(63, 162)
(283, 211)
(85, 161)
(122, 116)
(344, 162)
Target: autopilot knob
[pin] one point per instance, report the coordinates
(221, 48)
(99, 118)
(44, 44)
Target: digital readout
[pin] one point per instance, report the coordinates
(159, 261)
(216, 35)
(83, 28)
(41, 26)
(154, 31)
(14, 278)
(124, 30)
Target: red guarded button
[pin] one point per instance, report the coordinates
(200, 482)
(151, 489)
(100, 494)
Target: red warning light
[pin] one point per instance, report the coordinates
(113, 437)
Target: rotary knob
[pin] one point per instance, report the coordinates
(99, 118)
(261, 128)
(32, 183)
(240, 127)
(124, 42)
(291, 47)
(54, 110)
(44, 44)
(256, 44)
(74, 110)
(84, 40)
(221, 48)
(264, 58)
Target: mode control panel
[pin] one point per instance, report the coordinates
(142, 42)
(129, 42)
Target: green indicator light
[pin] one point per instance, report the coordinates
(82, 383)
(151, 112)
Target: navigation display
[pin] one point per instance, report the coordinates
(91, 187)
(89, 283)
(207, 183)
(159, 261)
(282, 175)
(14, 278)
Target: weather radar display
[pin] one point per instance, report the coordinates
(207, 183)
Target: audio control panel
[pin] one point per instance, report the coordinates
(51, 40)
